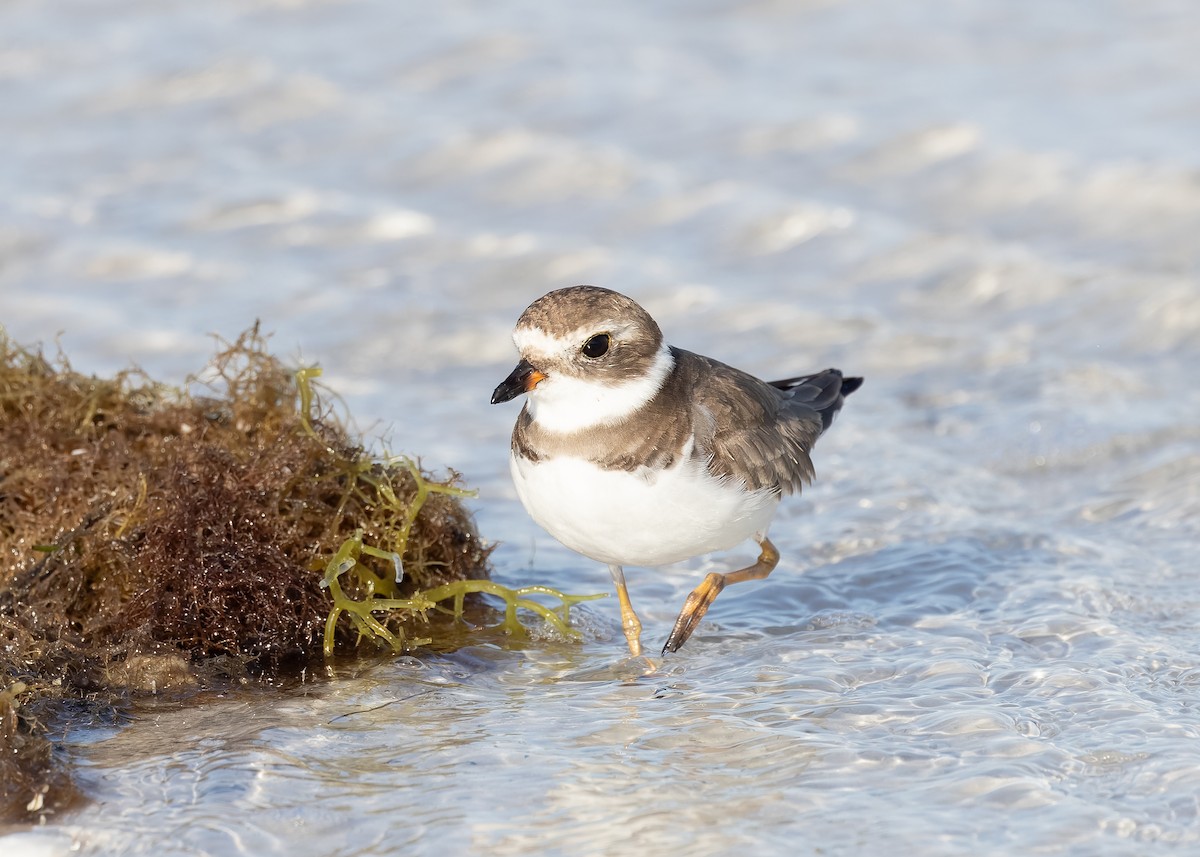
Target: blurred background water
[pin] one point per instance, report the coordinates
(982, 636)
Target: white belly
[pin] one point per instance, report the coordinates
(643, 519)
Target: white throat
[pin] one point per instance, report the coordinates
(564, 404)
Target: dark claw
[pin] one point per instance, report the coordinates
(675, 641)
(697, 604)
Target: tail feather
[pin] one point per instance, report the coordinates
(822, 391)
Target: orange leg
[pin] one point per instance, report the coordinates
(702, 597)
(629, 620)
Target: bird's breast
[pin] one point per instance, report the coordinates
(644, 516)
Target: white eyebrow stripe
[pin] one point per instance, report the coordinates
(534, 340)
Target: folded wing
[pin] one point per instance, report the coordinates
(767, 429)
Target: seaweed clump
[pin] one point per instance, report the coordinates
(153, 539)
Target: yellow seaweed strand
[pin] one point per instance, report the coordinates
(361, 611)
(424, 489)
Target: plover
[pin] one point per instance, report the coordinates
(636, 453)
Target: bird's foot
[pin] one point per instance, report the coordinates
(697, 604)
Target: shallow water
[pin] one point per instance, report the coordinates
(982, 634)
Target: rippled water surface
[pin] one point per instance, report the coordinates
(983, 634)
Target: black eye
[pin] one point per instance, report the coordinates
(597, 346)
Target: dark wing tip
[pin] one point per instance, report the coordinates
(823, 391)
(830, 381)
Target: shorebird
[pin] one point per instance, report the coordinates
(636, 453)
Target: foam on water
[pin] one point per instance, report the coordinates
(982, 636)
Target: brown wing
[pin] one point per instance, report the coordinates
(758, 432)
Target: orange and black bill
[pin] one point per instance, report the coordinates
(521, 380)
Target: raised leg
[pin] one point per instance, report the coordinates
(702, 597)
(629, 620)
